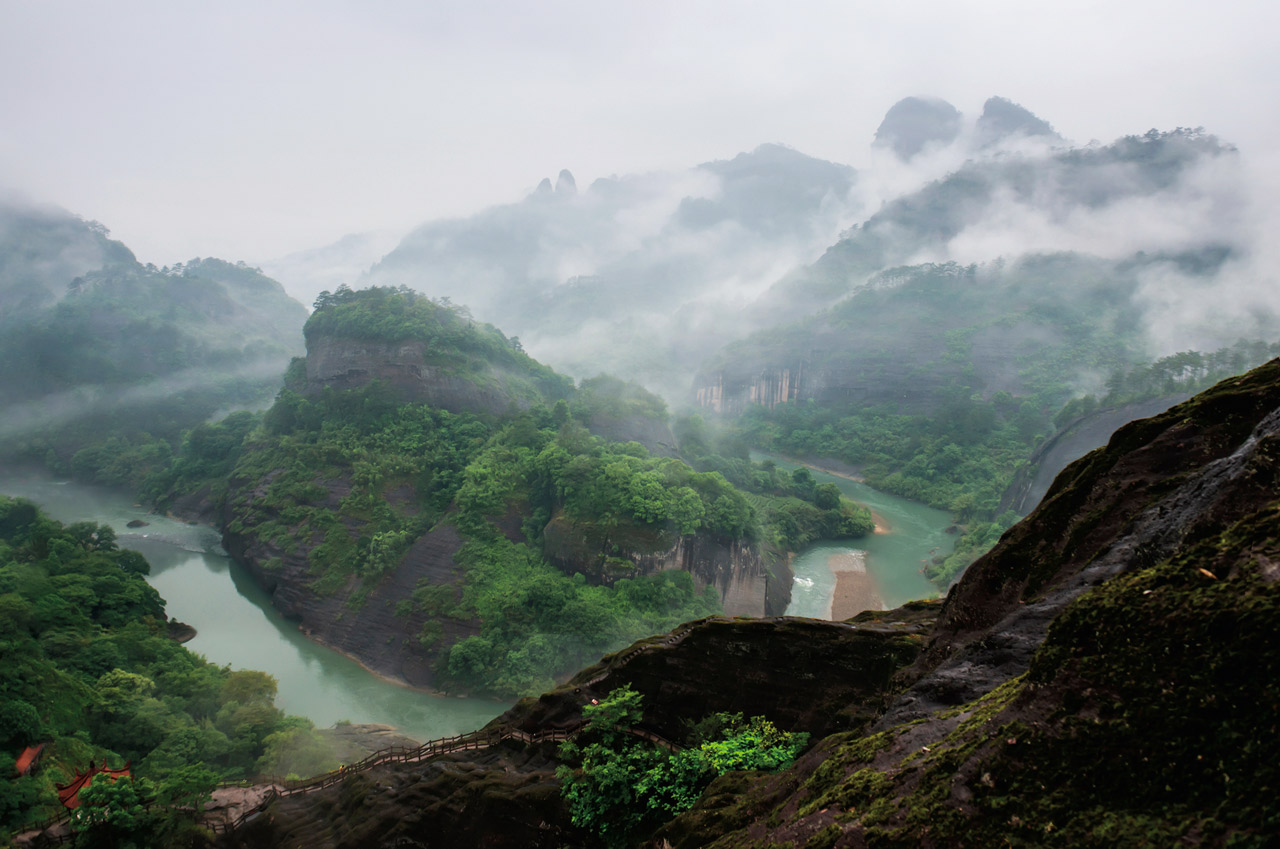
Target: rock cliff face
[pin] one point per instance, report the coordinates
(1106, 676)
(733, 391)
(404, 368)
(370, 630)
(1075, 440)
(1087, 636)
(731, 394)
(750, 583)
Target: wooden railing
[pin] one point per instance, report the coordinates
(397, 754)
(393, 755)
(481, 739)
(41, 835)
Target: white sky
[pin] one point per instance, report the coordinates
(247, 130)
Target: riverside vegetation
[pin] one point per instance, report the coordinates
(342, 482)
(348, 479)
(95, 675)
(90, 670)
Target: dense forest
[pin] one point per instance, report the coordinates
(505, 483)
(91, 671)
(423, 494)
(105, 362)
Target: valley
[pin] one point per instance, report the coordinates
(522, 481)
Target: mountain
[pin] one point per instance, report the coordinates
(1005, 206)
(915, 123)
(1105, 676)
(95, 346)
(427, 498)
(589, 281)
(1003, 120)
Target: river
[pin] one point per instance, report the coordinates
(915, 535)
(237, 626)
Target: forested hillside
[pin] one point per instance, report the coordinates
(105, 362)
(433, 501)
(1104, 677)
(91, 671)
(938, 382)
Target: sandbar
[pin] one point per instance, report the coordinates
(855, 588)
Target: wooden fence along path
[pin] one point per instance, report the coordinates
(482, 739)
(671, 640)
(393, 755)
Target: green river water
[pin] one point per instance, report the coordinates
(917, 534)
(237, 626)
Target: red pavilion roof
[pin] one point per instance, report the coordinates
(69, 793)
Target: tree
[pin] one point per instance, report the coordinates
(111, 812)
(619, 785)
(826, 496)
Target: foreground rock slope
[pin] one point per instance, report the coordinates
(1106, 676)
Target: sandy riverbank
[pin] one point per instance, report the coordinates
(855, 588)
(882, 524)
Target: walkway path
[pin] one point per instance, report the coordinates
(235, 804)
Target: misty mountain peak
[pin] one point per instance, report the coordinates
(914, 122)
(544, 188)
(565, 184)
(1002, 118)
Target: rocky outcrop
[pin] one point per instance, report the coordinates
(750, 582)
(1002, 119)
(1129, 621)
(1072, 442)
(915, 123)
(802, 673)
(733, 391)
(366, 624)
(404, 368)
(825, 677)
(1158, 482)
(503, 797)
(565, 184)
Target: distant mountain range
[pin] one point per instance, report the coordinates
(649, 276)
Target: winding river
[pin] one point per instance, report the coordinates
(914, 534)
(237, 626)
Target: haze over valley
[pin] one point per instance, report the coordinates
(671, 427)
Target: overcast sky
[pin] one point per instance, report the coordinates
(248, 130)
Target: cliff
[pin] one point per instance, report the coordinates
(750, 582)
(404, 368)
(1106, 676)
(1072, 442)
(363, 622)
(800, 672)
(403, 489)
